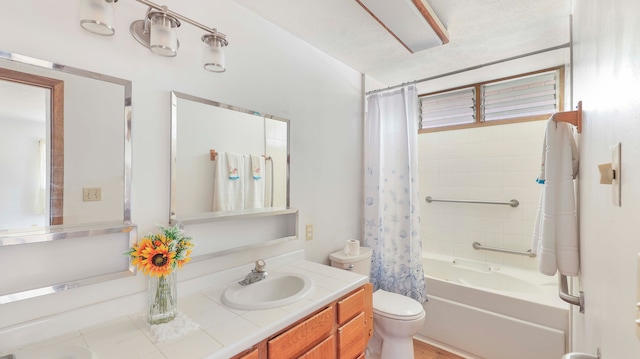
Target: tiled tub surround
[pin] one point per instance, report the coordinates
(493, 163)
(223, 331)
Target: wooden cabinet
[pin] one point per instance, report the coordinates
(351, 339)
(325, 350)
(340, 330)
(251, 354)
(302, 336)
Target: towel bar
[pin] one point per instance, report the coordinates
(563, 292)
(572, 117)
(513, 203)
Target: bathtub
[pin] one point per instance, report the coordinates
(483, 310)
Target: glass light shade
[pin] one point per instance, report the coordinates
(164, 38)
(96, 16)
(213, 53)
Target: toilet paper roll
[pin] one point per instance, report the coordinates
(352, 247)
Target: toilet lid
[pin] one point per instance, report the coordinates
(396, 306)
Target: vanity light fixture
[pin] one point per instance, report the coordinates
(157, 31)
(96, 16)
(213, 54)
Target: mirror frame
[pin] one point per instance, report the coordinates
(213, 216)
(61, 232)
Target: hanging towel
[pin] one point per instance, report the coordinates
(555, 234)
(574, 159)
(257, 164)
(228, 194)
(234, 163)
(254, 188)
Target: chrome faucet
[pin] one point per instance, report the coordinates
(257, 274)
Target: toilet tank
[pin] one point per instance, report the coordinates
(360, 263)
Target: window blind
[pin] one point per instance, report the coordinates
(448, 108)
(527, 96)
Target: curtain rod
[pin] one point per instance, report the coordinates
(568, 44)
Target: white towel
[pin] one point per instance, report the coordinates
(228, 194)
(555, 235)
(574, 159)
(234, 163)
(254, 188)
(257, 164)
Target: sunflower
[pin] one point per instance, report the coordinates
(159, 254)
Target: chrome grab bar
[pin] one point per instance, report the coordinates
(513, 203)
(479, 246)
(563, 292)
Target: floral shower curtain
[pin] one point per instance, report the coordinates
(391, 208)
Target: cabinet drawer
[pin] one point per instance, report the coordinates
(302, 336)
(324, 350)
(250, 355)
(351, 338)
(350, 306)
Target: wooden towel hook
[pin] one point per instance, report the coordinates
(572, 117)
(213, 154)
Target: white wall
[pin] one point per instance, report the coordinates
(268, 71)
(607, 80)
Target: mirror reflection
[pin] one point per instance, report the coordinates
(64, 135)
(226, 160)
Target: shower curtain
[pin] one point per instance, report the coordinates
(391, 208)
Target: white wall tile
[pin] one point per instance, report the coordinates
(495, 163)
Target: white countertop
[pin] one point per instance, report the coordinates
(223, 331)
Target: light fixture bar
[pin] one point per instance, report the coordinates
(181, 17)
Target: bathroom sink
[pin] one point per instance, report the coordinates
(276, 290)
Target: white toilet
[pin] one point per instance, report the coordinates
(396, 318)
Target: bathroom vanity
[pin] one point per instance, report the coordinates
(334, 320)
(339, 330)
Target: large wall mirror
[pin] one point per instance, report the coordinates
(226, 161)
(66, 147)
(65, 139)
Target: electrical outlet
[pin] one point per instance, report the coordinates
(91, 194)
(309, 232)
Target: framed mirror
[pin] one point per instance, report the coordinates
(65, 137)
(209, 141)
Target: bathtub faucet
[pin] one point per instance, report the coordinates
(257, 274)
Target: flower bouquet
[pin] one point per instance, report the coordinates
(159, 255)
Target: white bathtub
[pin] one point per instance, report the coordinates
(482, 310)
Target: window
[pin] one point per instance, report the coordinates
(526, 97)
(448, 108)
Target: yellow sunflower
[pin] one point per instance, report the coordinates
(160, 254)
(157, 261)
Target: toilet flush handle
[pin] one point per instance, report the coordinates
(350, 267)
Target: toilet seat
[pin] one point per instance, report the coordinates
(396, 306)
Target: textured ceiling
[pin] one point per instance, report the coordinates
(480, 31)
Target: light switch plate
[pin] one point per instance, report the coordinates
(616, 167)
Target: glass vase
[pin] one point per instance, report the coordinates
(162, 297)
